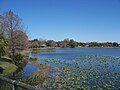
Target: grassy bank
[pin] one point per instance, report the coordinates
(7, 67)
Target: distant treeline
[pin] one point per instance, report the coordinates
(69, 43)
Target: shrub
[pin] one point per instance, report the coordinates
(18, 57)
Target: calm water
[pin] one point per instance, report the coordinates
(69, 54)
(97, 66)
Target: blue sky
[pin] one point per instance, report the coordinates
(81, 20)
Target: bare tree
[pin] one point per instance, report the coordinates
(20, 39)
(11, 23)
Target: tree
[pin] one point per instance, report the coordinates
(93, 44)
(20, 40)
(72, 43)
(10, 23)
(66, 42)
(42, 42)
(81, 44)
(50, 43)
(115, 44)
(3, 44)
(59, 44)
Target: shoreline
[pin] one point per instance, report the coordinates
(69, 47)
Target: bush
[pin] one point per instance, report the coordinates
(18, 57)
(1, 69)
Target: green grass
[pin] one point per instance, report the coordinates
(34, 51)
(33, 60)
(8, 68)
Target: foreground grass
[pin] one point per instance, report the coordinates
(8, 68)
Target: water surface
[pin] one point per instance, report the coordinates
(92, 64)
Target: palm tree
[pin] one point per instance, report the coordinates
(3, 44)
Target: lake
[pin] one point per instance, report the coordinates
(71, 53)
(95, 67)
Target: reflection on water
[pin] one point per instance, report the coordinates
(28, 69)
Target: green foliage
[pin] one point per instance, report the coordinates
(115, 44)
(7, 59)
(18, 56)
(5, 86)
(8, 68)
(32, 59)
(1, 70)
(3, 44)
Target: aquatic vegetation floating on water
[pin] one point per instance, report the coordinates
(44, 66)
(87, 72)
(52, 61)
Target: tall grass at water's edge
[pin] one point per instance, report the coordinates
(34, 51)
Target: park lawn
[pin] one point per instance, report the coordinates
(8, 68)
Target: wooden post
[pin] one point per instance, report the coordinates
(14, 85)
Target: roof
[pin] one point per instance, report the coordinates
(43, 45)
